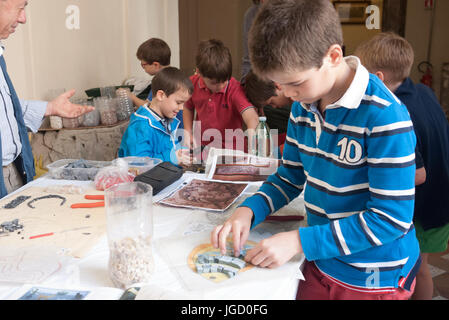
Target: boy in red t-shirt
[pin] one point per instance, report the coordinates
(219, 102)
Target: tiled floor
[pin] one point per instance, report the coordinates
(439, 268)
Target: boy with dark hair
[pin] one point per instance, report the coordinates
(152, 131)
(218, 99)
(154, 55)
(351, 143)
(266, 96)
(390, 57)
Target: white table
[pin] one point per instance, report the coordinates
(92, 270)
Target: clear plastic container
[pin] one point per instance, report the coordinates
(125, 106)
(107, 108)
(75, 169)
(139, 165)
(129, 220)
(56, 122)
(70, 123)
(91, 119)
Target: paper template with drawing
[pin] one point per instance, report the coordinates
(242, 168)
(42, 216)
(207, 195)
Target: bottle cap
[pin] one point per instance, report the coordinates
(262, 118)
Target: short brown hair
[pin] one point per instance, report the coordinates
(387, 52)
(214, 60)
(258, 90)
(154, 50)
(289, 35)
(170, 80)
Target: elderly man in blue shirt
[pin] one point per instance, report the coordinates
(17, 116)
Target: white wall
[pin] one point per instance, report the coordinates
(148, 19)
(44, 54)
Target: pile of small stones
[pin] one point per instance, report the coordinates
(16, 202)
(82, 170)
(10, 226)
(130, 261)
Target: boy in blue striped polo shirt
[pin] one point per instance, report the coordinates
(350, 147)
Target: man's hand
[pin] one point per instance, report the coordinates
(62, 107)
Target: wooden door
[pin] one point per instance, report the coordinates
(206, 19)
(394, 16)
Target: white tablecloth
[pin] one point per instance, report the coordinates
(92, 270)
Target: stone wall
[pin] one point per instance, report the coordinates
(99, 143)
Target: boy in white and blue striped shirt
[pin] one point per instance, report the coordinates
(353, 142)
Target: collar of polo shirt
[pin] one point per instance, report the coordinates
(356, 91)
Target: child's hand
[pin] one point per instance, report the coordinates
(276, 250)
(239, 224)
(184, 157)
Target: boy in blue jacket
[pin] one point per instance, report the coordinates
(152, 131)
(350, 147)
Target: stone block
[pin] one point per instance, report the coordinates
(98, 143)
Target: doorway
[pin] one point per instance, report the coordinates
(205, 19)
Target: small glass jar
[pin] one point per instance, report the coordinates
(70, 123)
(129, 221)
(91, 119)
(107, 110)
(56, 122)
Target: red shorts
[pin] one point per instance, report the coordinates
(319, 286)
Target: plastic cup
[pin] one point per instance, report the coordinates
(129, 221)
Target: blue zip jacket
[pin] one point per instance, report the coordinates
(357, 169)
(146, 136)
